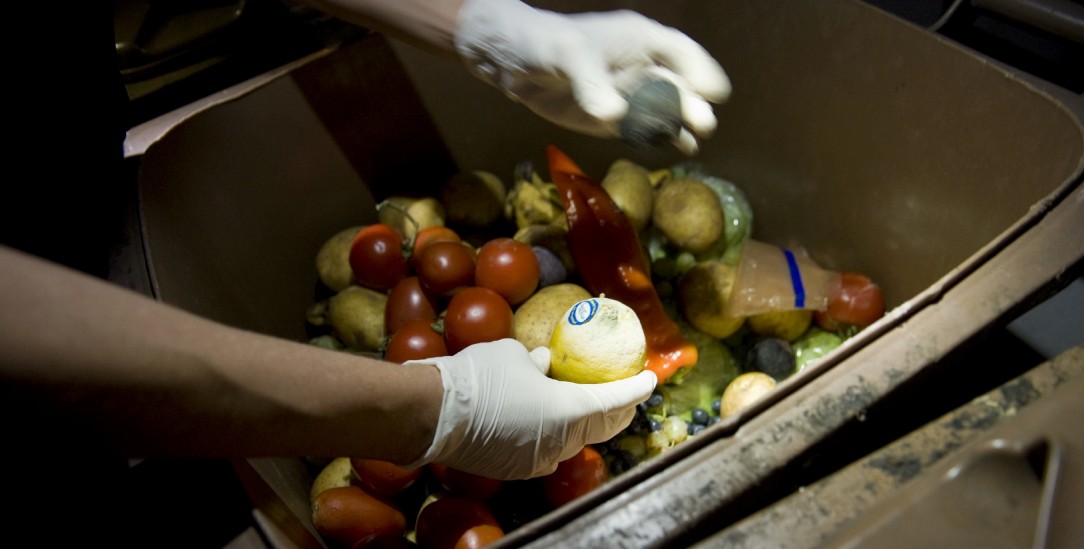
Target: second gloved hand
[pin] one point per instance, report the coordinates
(577, 70)
(502, 417)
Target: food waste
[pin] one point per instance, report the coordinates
(725, 318)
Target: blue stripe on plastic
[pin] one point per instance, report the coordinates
(795, 279)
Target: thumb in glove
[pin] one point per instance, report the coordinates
(502, 417)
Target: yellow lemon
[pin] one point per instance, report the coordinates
(598, 340)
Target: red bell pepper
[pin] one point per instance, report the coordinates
(611, 261)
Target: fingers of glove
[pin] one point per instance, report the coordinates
(591, 81)
(683, 55)
(615, 396)
(697, 114)
(686, 142)
(541, 358)
(608, 426)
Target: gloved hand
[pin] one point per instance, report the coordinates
(576, 70)
(502, 417)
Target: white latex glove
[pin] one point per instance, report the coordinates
(503, 418)
(576, 70)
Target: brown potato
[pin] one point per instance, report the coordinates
(333, 260)
(356, 317)
(688, 214)
(629, 185)
(411, 214)
(336, 473)
(473, 199)
(536, 318)
(744, 391)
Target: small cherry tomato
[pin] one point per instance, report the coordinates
(416, 340)
(446, 267)
(508, 267)
(408, 301)
(345, 515)
(427, 236)
(462, 483)
(575, 477)
(477, 315)
(376, 257)
(453, 522)
(383, 478)
(859, 302)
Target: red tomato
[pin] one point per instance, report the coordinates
(346, 515)
(453, 522)
(408, 301)
(376, 257)
(383, 478)
(575, 477)
(427, 236)
(462, 483)
(508, 267)
(477, 315)
(446, 267)
(859, 303)
(414, 341)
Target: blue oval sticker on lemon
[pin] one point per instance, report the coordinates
(582, 312)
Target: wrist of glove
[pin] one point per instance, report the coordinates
(578, 70)
(502, 417)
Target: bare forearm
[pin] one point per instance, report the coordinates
(156, 380)
(429, 24)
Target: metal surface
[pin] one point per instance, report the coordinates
(866, 493)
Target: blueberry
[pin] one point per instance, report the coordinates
(713, 420)
(618, 466)
(696, 428)
(700, 416)
(717, 406)
(655, 424)
(654, 400)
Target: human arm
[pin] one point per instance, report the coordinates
(149, 379)
(83, 361)
(575, 70)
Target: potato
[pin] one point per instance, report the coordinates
(356, 317)
(473, 199)
(398, 211)
(688, 214)
(335, 474)
(744, 391)
(629, 185)
(333, 260)
(703, 292)
(536, 318)
(787, 325)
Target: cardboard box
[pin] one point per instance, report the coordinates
(872, 143)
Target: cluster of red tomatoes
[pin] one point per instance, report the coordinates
(437, 273)
(371, 511)
(443, 295)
